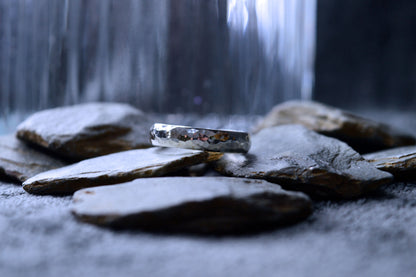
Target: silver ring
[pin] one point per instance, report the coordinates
(199, 138)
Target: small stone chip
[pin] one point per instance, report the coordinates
(205, 205)
(116, 168)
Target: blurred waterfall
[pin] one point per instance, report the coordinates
(272, 45)
(164, 56)
(69, 51)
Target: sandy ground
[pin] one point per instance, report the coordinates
(374, 236)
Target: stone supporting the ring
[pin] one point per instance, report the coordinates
(199, 139)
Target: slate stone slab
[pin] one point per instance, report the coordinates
(208, 205)
(20, 162)
(362, 134)
(87, 130)
(300, 159)
(116, 168)
(401, 162)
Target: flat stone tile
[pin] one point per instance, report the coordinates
(206, 205)
(116, 168)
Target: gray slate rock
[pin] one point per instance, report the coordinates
(20, 162)
(401, 162)
(207, 205)
(362, 134)
(87, 130)
(116, 168)
(300, 159)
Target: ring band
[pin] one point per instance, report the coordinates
(199, 139)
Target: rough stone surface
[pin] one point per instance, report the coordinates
(87, 130)
(401, 161)
(300, 159)
(362, 134)
(116, 168)
(20, 162)
(207, 205)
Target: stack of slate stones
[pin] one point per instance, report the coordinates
(301, 151)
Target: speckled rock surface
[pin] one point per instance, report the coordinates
(116, 168)
(362, 134)
(20, 162)
(401, 162)
(203, 205)
(87, 130)
(300, 159)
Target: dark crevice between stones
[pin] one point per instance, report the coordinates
(48, 152)
(4, 177)
(366, 145)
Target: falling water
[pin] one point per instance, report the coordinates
(166, 56)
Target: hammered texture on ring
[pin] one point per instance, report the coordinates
(167, 135)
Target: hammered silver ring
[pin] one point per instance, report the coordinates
(167, 135)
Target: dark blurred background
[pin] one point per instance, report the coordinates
(366, 54)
